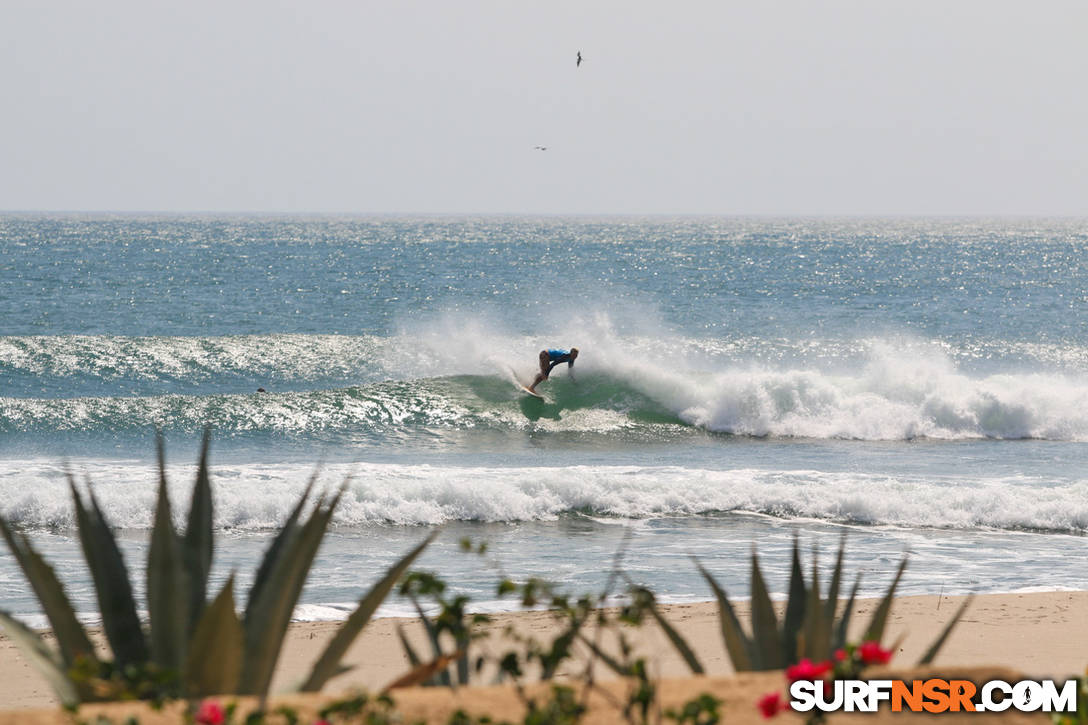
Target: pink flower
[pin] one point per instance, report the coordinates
(771, 704)
(806, 669)
(840, 655)
(210, 713)
(871, 653)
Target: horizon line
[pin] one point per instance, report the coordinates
(581, 214)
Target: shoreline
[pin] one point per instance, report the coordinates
(497, 607)
(485, 607)
(1037, 633)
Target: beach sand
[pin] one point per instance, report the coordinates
(1037, 634)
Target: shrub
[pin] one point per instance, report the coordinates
(811, 627)
(188, 648)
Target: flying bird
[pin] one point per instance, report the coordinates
(541, 148)
(579, 61)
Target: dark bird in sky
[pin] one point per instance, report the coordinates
(541, 148)
(579, 61)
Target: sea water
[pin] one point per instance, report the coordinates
(919, 386)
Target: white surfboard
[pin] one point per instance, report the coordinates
(530, 392)
(516, 380)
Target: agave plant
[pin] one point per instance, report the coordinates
(811, 627)
(188, 646)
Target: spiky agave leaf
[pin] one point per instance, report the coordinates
(875, 630)
(71, 637)
(214, 662)
(934, 648)
(765, 635)
(198, 543)
(111, 582)
(833, 590)
(289, 529)
(793, 619)
(167, 590)
(674, 637)
(39, 655)
(269, 615)
(844, 623)
(328, 663)
(736, 641)
(817, 635)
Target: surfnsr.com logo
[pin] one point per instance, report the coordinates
(933, 695)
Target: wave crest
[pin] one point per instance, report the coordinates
(365, 385)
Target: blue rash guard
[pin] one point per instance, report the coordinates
(556, 357)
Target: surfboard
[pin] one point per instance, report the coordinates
(530, 392)
(516, 380)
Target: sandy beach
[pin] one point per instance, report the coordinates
(1037, 634)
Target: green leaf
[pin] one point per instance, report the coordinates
(794, 617)
(875, 632)
(817, 644)
(198, 542)
(934, 648)
(286, 532)
(559, 651)
(844, 624)
(111, 583)
(214, 663)
(329, 660)
(736, 641)
(39, 655)
(765, 637)
(413, 658)
(71, 637)
(461, 666)
(443, 676)
(167, 593)
(269, 614)
(833, 590)
(677, 640)
(613, 663)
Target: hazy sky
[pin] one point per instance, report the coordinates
(758, 107)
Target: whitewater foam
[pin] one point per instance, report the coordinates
(897, 394)
(259, 496)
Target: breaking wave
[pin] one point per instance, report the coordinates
(887, 398)
(258, 496)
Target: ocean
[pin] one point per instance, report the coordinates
(919, 386)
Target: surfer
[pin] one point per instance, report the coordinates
(548, 360)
